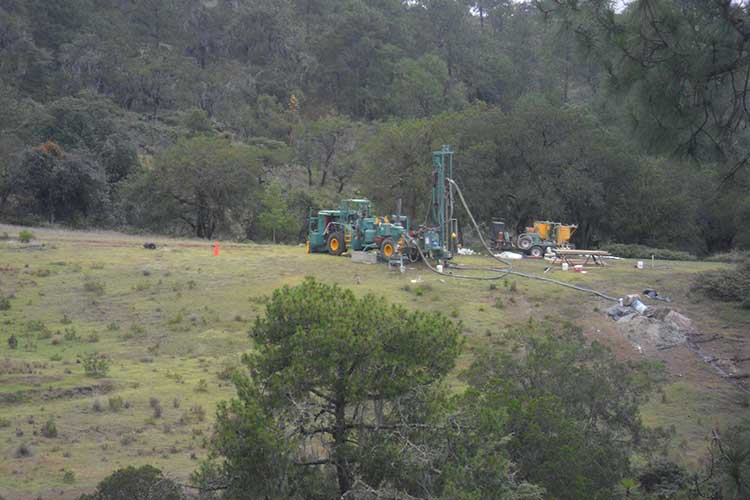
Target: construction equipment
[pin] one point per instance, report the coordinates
(544, 234)
(353, 227)
(536, 239)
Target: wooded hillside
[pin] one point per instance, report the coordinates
(231, 118)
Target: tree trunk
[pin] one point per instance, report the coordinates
(339, 435)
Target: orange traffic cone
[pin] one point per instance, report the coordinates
(216, 248)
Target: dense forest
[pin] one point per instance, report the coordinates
(232, 118)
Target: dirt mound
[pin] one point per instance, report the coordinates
(661, 328)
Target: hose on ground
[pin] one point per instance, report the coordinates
(501, 273)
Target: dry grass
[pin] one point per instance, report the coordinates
(189, 315)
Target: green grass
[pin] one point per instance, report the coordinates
(171, 318)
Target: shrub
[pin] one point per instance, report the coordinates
(22, 451)
(4, 422)
(94, 286)
(70, 334)
(95, 364)
(731, 285)
(644, 252)
(69, 477)
(12, 342)
(4, 303)
(49, 429)
(137, 482)
(732, 257)
(56, 357)
(227, 371)
(36, 326)
(198, 412)
(115, 403)
(66, 320)
(92, 338)
(127, 439)
(202, 386)
(156, 406)
(25, 236)
(97, 406)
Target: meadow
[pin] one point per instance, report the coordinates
(170, 325)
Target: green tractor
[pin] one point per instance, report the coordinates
(353, 227)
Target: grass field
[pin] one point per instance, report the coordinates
(173, 320)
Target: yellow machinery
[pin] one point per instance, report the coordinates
(545, 234)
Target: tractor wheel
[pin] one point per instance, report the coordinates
(413, 254)
(525, 242)
(387, 248)
(537, 252)
(336, 244)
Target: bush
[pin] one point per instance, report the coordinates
(156, 406)
(22, 451)
(95, 364)
(92, 338)
(4, 422)
(730, 285)
(94, 286)
(136, 482)
(97, 406)
(49, 429)
(115, 403)
(70, 334)
(69, 477)
(25, 236)
(12, 342)
(644, 252)
(202, 386)
(4, 304)
(732, 257)
(127, 439)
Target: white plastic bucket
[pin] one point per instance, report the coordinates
(639, 264)
(565, 266)
(439, 268)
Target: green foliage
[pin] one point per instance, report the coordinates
(202, 182)
(25, 236)
(568, 410)
(275, 218)
(115, 403)
(145, 482)
(643, 252)
(320, 350)
(12, 341)
(49, 429)
(95, 364)
(4, 304)
(69, 477)
(732, 285)
(550, 121)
